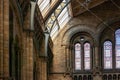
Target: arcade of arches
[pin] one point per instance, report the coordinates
(59, 39)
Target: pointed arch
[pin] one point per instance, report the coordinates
(117, 48)
(77, 56)
(107, 54)
(87, 62)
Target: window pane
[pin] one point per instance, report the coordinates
(44, 6)
(64, 17)
(107, 55)
(54, 30)
(117, 48)
(77, 56)
(86, 56)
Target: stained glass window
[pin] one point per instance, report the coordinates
(77, 56)
(86, 56)
(117, 48)
(107, 55)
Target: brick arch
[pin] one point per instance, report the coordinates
(77, 29)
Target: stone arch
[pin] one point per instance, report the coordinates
(77, 29)
(15, 7)
(17, 16)
(106, 24)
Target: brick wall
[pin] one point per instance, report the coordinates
(85, 22)
(26, 46)
(4, 38)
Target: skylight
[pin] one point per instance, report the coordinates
(59, 17)
(44, 5)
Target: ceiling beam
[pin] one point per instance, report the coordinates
(78, 9)
(52, 9)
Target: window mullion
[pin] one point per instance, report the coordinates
(82, 54)
(57, 21)
(113, 56)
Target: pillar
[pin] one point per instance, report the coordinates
(4, 38)
(27, 57)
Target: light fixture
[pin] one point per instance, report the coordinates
(82, 38)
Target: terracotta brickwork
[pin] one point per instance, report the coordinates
(21, 59)
(4, 38)
(22, 67)
(86, 22)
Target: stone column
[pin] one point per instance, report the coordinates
(43, 69)
(68, 57)
(44, 59)
(65, 57)
(4, 38)
(96, 71)
(46, 43)
(1, 38)
(27, 58)
(71, 60)
(96, 50)
(33, 4)
(28, 61)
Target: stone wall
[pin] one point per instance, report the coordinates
(92, 22)
(25, 64)
(4, 38)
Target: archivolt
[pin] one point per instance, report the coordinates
(14, 6)
(77, 29)
(106, 24)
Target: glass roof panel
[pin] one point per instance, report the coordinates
(55, 29)
(59, 17)
(46, 5)
(62, 4)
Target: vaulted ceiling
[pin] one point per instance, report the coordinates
(57, 13)
(80, 6)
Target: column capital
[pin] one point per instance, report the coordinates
(46, 42)
(33, 4)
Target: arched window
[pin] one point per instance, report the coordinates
(90, 77)
(105, 77)
(82, 56)
(86, 56)
(80, 77)
(84, 77)
(114, 77)
(110, 77)
(118, 77)
(117, 48)
(77, 56)
(107, 55)
(111, 51)
(75, 77)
